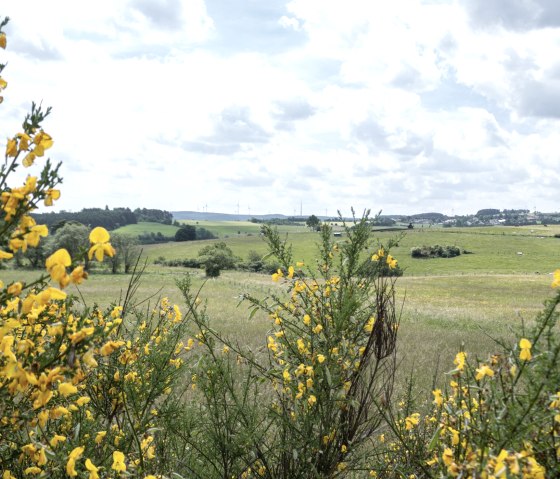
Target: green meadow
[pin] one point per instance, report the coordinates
(446, 303)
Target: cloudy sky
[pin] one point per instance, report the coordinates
(266, 106)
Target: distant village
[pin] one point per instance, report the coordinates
(484, 217)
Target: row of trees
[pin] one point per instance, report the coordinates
(104, 217)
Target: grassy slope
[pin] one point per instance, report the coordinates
(147, 227)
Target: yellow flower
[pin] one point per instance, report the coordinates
(11, 148)
(3, 40)
(43, 141)
(525, 353)
(92, 469)
(311, 400)
(29, 159)
(56, 266)
(447, 456)
(300, 264)
(32, 470)
(320, 358)
(15, 288)
(483, 371)
(291, 272)
(5, 255)
(56, 439)
(412, 421)
(276, 276)
(438, 400)
(392, 262)
(118, 462)
(99, 238)
(83, 400)
(66, 389)
(78, 275)
(109, 347)
(556, 282)
(460, 360)
(317, 329)
(51, 195)
(71, 464)
(99, 437)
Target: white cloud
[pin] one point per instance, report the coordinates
(396, 105)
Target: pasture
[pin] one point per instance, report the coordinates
(446, 303)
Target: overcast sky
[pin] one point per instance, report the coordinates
(266, 106)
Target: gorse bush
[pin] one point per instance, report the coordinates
(145, 391)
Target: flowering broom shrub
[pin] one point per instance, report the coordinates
(83, 393)
(498, 418)
(303, 407)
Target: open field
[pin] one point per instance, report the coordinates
(440, 313)
(446, 302)
(494, 250)
(147, 227)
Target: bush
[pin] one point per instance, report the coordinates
(185, 233)
(217, 257)
(435, 251)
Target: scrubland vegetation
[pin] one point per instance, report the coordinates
(329, 367)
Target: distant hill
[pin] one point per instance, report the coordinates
(201, 216)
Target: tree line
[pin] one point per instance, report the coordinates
(106, 217)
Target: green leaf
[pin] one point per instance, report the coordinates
(435, 439)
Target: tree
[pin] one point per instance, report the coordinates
(127, 252)
(313, 222)
(216, 257)
(74, 237)
(185, 233)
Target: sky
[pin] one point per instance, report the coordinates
(289, 106)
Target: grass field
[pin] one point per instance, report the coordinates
(493, 250)
(446, 302)
(147, 227)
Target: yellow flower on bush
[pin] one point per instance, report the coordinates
(67, 389)
(460, 359)
(92, 469)
(43, 141)
(71, 464)
(3, 40)
(99, 237)
(438, 399)
(109, 347)
(51, 195)
(118, 462)
(556, 281)
(276, 276)
(412, 421)
(5, 255)
(100, 436)
(525, 353)
(483, 371)
(56, 266)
